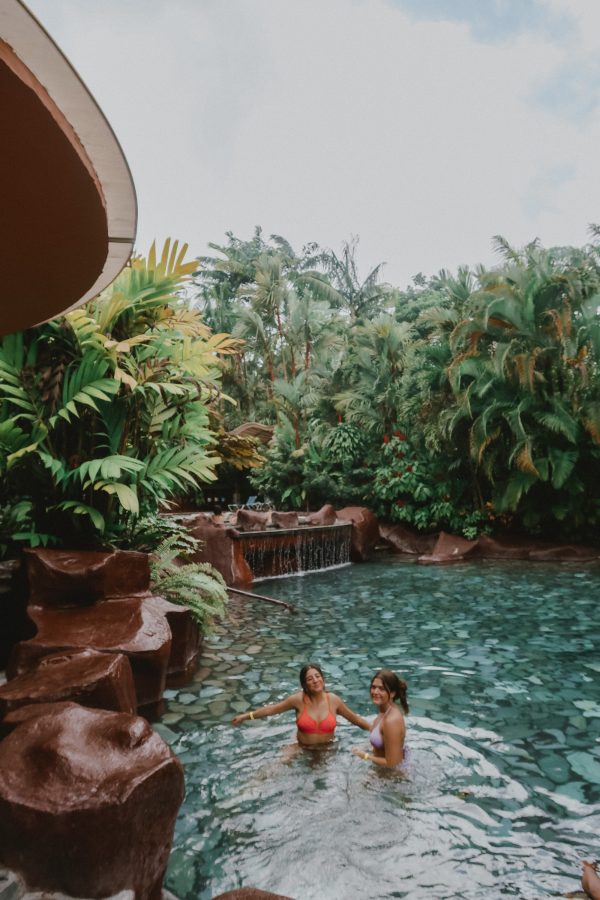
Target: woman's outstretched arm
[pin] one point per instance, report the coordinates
(351, 716)
(290, 702)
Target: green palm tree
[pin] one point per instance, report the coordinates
(524, 376)
(373, 372)
(360, 298)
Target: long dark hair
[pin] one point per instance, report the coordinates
(304, 672)
(393, 685)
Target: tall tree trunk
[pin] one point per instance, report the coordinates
(281, 337)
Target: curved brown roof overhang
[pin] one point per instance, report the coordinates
(262, 433)
(68, 212)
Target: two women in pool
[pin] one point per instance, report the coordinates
(316, 711)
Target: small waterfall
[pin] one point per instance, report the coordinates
(293, 550)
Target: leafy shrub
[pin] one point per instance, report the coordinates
(413, 487)
(104, 411)
(16, 529)
(328, 468)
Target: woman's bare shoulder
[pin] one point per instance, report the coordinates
(394, 717)
(335, 699)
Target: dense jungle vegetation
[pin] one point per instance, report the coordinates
(469, 401)
(105, 416)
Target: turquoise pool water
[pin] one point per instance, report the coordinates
(503, 797)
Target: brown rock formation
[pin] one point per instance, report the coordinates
(532, 549)
(59, 578)
(101, 680)
(34, 711)
(365, 531)
(185, 639)
(130, 626)
(324, 516)
(250, 520)
(235, 553)
(564, 553)
(284, 519)
(504, 548)
(74, 600)
(221, 550)
(448, 549)
(403, 539)
(250, 894)
(88, 801)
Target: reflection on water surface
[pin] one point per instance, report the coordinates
(503, 796)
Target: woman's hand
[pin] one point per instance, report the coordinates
(292, 702)
(394, 745)
(362, 753)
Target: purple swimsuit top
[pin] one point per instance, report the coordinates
(376, 737)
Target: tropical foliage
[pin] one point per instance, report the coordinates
(414, 487)
(526, 390)
(328, 467)
(468, 401)
(492, 374)
(104, 412)
(294, 312)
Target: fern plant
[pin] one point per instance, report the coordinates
(196, 585)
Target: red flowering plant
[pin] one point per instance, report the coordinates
(414, 486)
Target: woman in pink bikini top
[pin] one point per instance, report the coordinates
(316, 709)
(389, 728)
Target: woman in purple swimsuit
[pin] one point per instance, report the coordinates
(389, 728)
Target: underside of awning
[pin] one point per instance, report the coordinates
(68, 210)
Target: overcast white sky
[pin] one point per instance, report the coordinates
(423, 126)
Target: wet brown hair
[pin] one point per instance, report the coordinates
(393, 685)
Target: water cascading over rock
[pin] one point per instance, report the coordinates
(295, 550)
